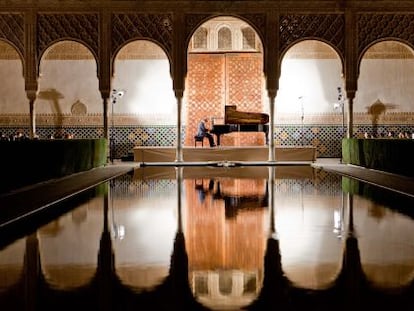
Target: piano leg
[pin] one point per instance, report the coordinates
(218, 139)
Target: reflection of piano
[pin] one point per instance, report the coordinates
(235, 202)
(239, 121)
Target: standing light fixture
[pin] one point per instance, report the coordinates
(302, 118)
(340, 106)
(116, 95)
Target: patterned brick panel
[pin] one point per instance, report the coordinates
(205, 90)
(214, 80)
(244, 84)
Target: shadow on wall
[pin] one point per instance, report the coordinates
(375, 110)
(54, 96)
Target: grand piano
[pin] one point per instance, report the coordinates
(240, 121)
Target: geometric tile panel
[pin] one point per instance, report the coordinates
(328, 184)
(326, 138)
(127, 185)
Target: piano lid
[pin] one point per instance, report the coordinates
(233, 116)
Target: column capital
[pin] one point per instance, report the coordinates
(31, 95)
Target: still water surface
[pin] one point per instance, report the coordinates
(200, 238)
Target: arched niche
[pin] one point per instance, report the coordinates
(386, 79)
(11, 264)
(311, 72)
(311, 252)
(144, 229)
(142, 70)
(385, 244)
(225, 67)
(79, 230)
(12, 88)
(68, 77)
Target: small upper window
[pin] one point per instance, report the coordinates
(249, 38)
(224, 39)
(200, 38)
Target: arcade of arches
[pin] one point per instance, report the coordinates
(318, 80)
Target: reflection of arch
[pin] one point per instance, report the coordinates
(227, 287)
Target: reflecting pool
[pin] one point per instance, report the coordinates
(208, 238)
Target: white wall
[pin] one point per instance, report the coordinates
(149, 89)
(390, 81)
(315, 80)
(64, 82)
(13, 97)
(150, 95)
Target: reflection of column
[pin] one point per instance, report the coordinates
(106, 262)
(352, 278)
(351, 213)
(271, 191)
(32, 272)
(179, 173)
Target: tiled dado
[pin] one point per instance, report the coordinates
(359, 118)
(326, 137)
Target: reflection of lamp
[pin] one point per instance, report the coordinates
(118, 231)
(116, 95)
(300, 98)
(339, 106)
(339, 219)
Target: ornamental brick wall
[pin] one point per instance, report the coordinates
(218, 79)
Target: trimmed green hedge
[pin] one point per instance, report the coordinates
(31, 161)
(390, 155)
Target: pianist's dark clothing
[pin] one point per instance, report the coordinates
(203, 132)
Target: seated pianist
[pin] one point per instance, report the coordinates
(203, 131)
(241, 121)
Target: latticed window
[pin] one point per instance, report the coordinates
(249, 38)
(200, 38)
(224, 39)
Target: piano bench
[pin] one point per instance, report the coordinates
(199, 139)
